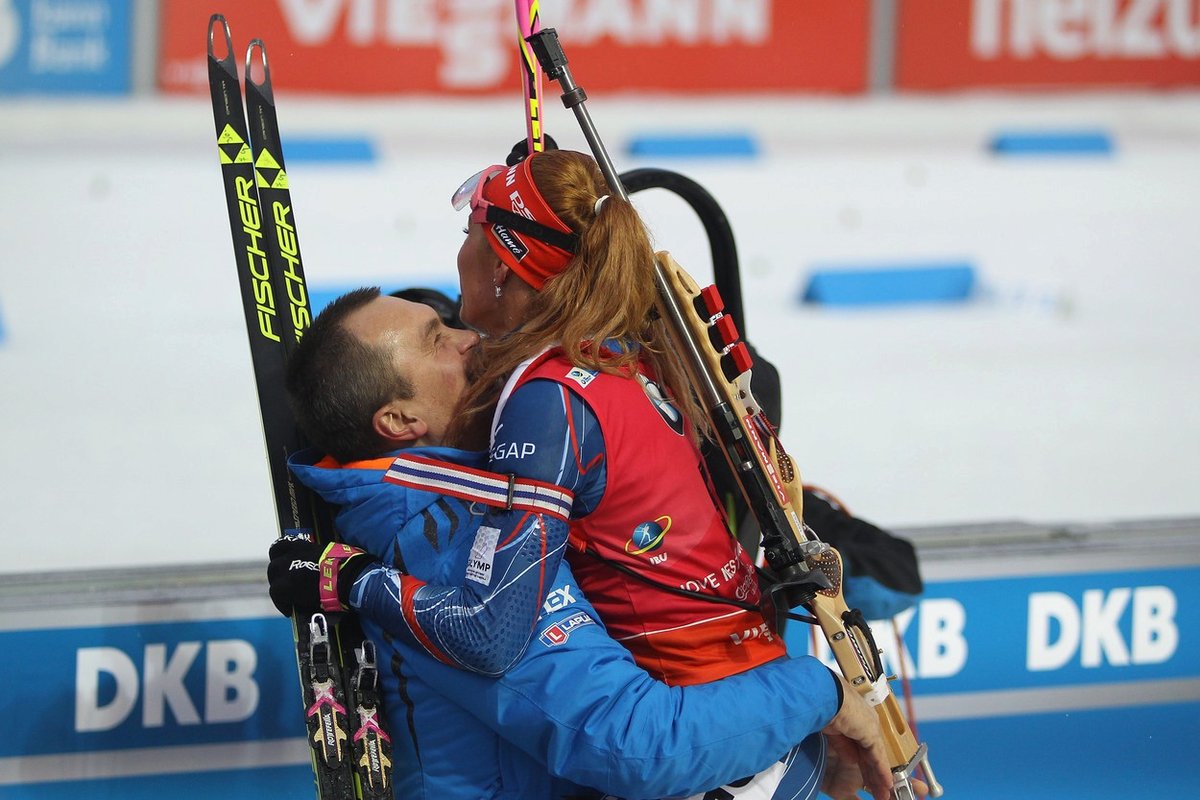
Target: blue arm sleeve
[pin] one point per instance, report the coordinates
(579, 704)
(547, 433)
(483, 624)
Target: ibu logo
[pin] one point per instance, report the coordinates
(109, 684)
(648, 536)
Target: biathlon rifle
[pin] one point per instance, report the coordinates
(804, 570)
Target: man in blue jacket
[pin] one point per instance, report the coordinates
(574, 711)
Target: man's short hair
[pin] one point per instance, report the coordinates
(336, 382)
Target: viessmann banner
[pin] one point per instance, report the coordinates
(1047, 44)
(469, 46)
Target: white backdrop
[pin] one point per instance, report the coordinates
(1066, 392)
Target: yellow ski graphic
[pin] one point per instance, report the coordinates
(265, 159)
(265, 164)
(229, 136)
(263, 181)
(243, 155)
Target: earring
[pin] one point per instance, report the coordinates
(499, 291)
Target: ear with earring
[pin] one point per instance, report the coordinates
(499, 276)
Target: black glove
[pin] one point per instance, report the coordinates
(307, 577)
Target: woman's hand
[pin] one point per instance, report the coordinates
(857, 755)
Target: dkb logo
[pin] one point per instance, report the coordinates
(230, 691)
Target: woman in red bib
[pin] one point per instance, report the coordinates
(580, 389)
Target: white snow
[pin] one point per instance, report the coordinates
(1067, 392)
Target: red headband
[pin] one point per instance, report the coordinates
(524, 250)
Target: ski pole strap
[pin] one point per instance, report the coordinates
(331, 562)
(480, 486)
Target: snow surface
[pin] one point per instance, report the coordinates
(1065, 392)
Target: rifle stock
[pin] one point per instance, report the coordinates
(709, 346)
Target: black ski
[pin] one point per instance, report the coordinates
(351, 753)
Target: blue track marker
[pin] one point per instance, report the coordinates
(1052, 143)
(900, 284)
(694, 145)
(329, 150)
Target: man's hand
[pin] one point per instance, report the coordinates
(306, 577)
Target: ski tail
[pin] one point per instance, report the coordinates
(276, 307)
(528, 23)
(372, 745)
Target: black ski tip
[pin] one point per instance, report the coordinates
(212, 21)
(261, 47)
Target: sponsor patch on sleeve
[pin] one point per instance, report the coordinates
(558, 599)
(483, 550)
(560, 632)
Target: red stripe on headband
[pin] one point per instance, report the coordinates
(533, 260)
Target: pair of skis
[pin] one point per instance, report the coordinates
(339, 677)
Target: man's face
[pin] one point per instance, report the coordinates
(432, 356)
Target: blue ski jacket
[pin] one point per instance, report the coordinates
(575, 710)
